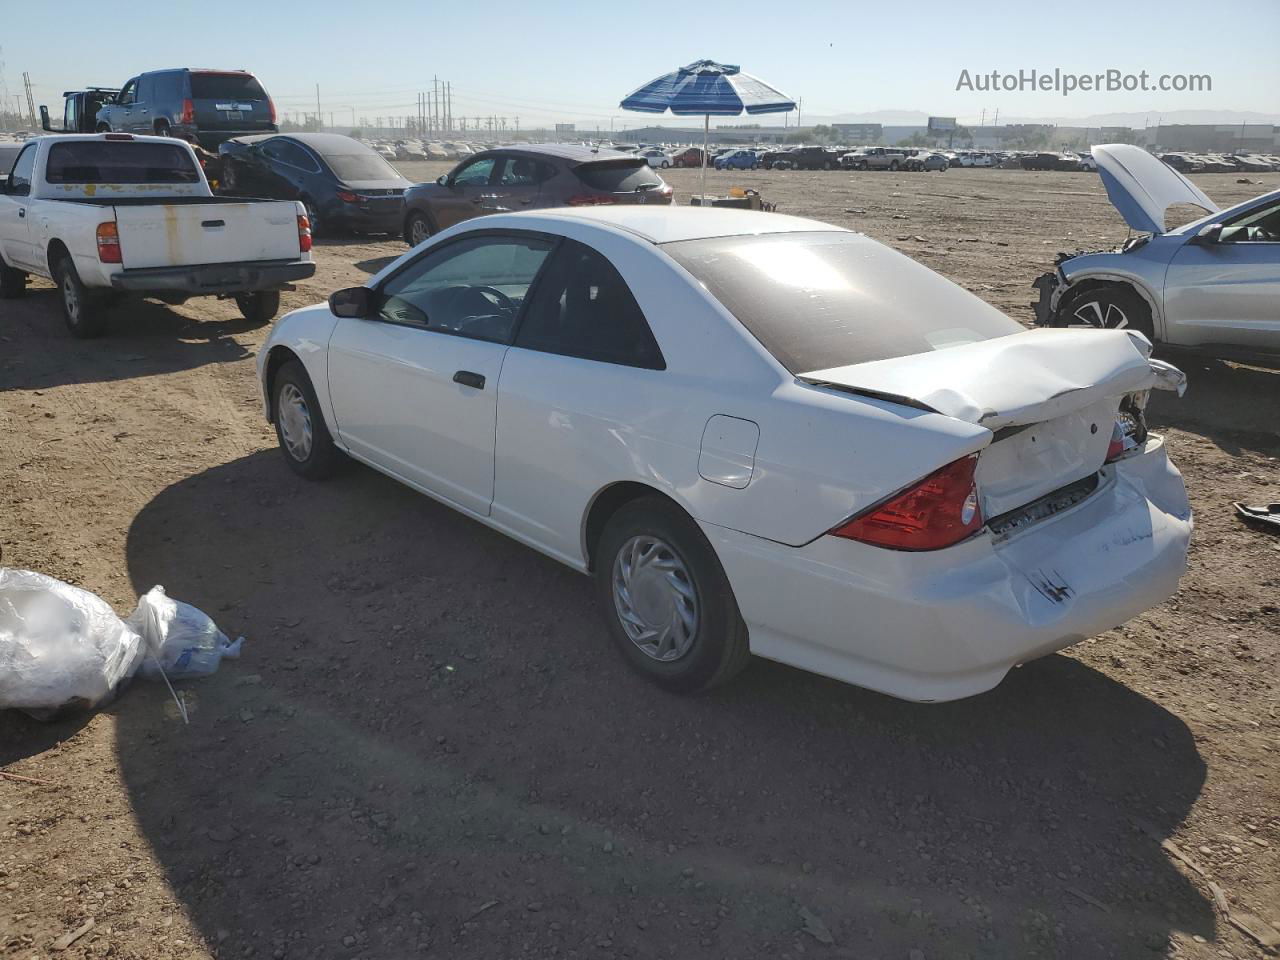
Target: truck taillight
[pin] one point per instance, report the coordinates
(304, 234)
(271, 110)
(108, 243)
(939, 511)
(188, 113)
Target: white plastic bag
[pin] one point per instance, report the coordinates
(60, 646)
(179, 638)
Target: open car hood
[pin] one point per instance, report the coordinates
(1143, 187)
(1023, 378)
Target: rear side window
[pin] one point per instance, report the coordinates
(583, 308)
(616, 176)
(822, 300)
(226, 86)
(107, 161)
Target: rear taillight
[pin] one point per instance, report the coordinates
(940, 510)
(304, 234)
(271, 110)
(188, 112)
(589, 199)
(346, 196)
(108, 243)
(1130, 429)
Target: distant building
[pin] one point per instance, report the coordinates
(858, 133)
(1217, 137)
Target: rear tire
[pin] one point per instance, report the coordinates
(260, 306)
(81, 310)
(13, 283)
(162, 128)
(304, 439)
(666, 599)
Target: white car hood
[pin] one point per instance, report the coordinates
(1143, 187)
(1023, 378)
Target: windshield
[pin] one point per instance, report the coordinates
(226, 86)
(361, 166)
(822, 300)
(105, 161)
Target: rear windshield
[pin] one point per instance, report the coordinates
(360, 166)
(617, 176)
(226, 86)
(822, 300)
(106, 161)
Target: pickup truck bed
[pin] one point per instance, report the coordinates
(135, 214)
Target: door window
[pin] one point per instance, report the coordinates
(286, 151)
(1257, 226)
(476, 173)
(23, 170)
(519, 172)
(129, 93)
(472, 288)
(583, 308)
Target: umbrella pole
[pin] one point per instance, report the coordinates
(706, 133)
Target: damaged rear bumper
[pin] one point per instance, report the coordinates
(947, 624)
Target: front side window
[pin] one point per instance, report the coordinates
(583, 308)
(472, 288)
(475, 173)
(829, 299)
(23, 170)
(1257, 226)
(130, 90)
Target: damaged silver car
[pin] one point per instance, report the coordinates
(1212, 284)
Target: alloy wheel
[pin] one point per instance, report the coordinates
(1099, 314)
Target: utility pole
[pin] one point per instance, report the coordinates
(31, 104)
(448, 106)
(319, 120)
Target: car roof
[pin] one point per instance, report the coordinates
(321, 143)
(669, 224)
(575, 152)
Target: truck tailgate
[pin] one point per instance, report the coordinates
(178, 234)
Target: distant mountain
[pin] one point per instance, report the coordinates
(1130, 119)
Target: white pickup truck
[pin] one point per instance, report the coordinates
(107, 215)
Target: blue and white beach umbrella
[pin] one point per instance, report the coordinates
(710, 89)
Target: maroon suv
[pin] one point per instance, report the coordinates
(529, 177)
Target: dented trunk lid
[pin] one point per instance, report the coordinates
(1049, 397)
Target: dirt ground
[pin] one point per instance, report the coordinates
(429, 747)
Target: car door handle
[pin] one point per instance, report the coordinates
(469, 379)
(22, 211)
(477, 199)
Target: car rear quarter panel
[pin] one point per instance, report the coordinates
(569, 428)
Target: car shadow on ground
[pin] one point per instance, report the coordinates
(374, 264)
(429, 744)
(142, 338)
(1235, 407)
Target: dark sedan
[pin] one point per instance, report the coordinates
(342, 183)
(529, 177)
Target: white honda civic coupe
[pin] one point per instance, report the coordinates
(759, 434)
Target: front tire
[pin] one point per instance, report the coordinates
(260, 306)
(1105, 307)
(13, 283)
(667, 601)
(301, 432)
(417, 228)
(80, 309)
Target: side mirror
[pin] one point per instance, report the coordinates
(353, 302)
(1209, 234)
(443, 180)
(44, 119)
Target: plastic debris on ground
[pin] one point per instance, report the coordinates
(64, 648)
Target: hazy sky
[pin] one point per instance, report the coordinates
(554, 60)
